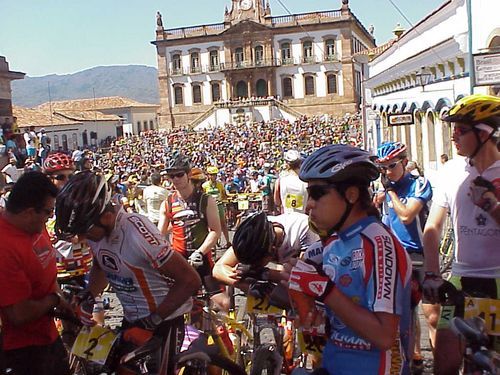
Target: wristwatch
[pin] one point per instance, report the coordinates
(156, 319)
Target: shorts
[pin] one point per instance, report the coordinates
(30, 151)
(49, 359)
(222, 211)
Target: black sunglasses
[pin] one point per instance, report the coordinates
(178, 175)
(61, 177)
(316, 192)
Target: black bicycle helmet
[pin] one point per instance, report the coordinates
(179, 163)
(253, 239)
(80, 203)
(337, 163)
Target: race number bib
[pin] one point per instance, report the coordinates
(294, 201)
(94, 344)
(243, 205)
(487, 309)
(261, 306)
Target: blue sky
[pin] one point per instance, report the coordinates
(42, 37)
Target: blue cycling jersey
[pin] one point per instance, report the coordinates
(408, 187)
(368, 265)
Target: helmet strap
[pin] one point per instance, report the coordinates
(343, 218)
(479, 143)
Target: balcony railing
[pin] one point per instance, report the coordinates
(248, 64)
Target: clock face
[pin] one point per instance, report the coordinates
(246, 4)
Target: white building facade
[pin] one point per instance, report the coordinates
(426, 70)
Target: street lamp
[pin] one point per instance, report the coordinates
(423, 77)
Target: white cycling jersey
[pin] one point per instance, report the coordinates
(298, 235)
(130, 257)
(293, 193)
(477, 234)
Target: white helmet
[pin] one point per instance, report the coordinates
(291, 156)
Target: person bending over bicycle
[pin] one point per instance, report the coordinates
(364, 279)
(470, 191)
(153, 283)
(261, 239)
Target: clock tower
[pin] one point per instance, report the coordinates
(254, 10)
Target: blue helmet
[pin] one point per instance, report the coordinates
(390, 150)
(338, 163)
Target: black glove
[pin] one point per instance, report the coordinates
(258, 273)
(386, 183)
(260, 289)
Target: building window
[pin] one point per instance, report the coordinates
(196, 93)
(214, 60)
(215, 92)
(331, 83)
(309, 84)
(176, 64)
(330, 49)
(151, 125)
(239, 57)
(195, 62)
(286, 53)
(145, 125)
(178, 97)
(307, 51)
(287, 87)
(74, 141)
(56, 142)
(138, 127)
(259, 55)
(64, 138)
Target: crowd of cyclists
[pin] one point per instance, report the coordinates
(345, 234)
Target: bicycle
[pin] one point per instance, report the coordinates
(472, 318)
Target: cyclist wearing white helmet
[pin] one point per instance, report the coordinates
(290, 193)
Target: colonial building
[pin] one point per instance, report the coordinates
(300, 64)
(6, 76)
(452, 52)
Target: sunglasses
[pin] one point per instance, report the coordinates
(390, 166)
(316, 192)
(174, 175)
(461, 130)
(61, 177)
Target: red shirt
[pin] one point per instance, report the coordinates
(27, 271)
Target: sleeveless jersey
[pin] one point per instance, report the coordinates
(409, 187)
(189, 222)
(293, 193)
(369, 266)
(215, 190)
(298, 236)
(477, 234)
(130, 257)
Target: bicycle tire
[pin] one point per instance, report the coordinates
(227, 366)
(265, 362)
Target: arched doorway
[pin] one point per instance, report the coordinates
(494, 45)
(419, 138)
(431, 139)
(261, 87)
(242, 89)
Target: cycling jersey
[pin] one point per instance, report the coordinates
(477, 235)
(130, 257)
(408, 188)
(216, 190)
(188, 219)
(298, 236)
(369, 266)
(293, 193)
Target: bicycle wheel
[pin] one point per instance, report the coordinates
(218, 364)
(266, 361)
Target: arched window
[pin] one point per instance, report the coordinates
(74, 141)
(286, 53)
(287, 87)
(195, 62)
(259, 55)
(139, 127)
(239, 56)
(329, 49)
(178, 96)
(309, 88)
(242, 89)
(176, 64)
(64, 138)
(151, 125)
(215, 91)
(307, 51)
(431, 137)
(56, 142)
(214, 60)
(196, 93)
(261, 88)
(145, 123)
(331, 83)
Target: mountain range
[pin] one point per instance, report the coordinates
(137, 82)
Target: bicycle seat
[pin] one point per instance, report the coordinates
(150, 346)
(483, 360)
(472, 329)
